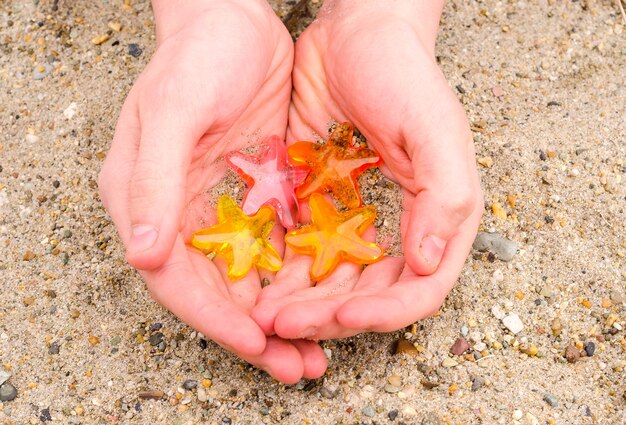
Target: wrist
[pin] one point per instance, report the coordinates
(172, 15)
(422, 15)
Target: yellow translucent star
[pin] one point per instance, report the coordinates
(240, 239)
(333, 237)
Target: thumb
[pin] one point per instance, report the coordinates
(157, 192)
(447, 192)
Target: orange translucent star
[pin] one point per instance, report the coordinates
(240, 239)
(333, 237)
(334, 166)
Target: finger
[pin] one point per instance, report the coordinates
(186, 286)
(314, 315)
(158, 182)
(444, 196)
(313, 358)
(413, 297)
(114, 178)
(281, 359)
(294, 286)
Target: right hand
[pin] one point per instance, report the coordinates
(219, 81)
(372, 63)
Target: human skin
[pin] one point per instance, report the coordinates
(219, 81)
(373, 64)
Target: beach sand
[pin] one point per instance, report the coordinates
(543, 86)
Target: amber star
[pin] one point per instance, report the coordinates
(334, 166)
(333, 237)
(270, 181)
(240, 239)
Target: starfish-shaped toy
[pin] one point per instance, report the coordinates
(333, 237)
(270, 181)
(240, 239)
(334, 166)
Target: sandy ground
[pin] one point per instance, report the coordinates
(543, 85)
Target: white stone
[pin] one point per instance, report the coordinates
(497, 312)
(513, 323)
(70, 111)
(409, 411)
(480, 346)
(31, 138)
(517, 414)
(328, 353)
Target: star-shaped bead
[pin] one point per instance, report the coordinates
(333, 166)
(240, 239)
(333, 237)
(270, 181)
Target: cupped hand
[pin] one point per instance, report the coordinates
(374, 66)
(219, 81)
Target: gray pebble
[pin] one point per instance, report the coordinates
(7, 392)
(502, 248)
(156, 339)
(190, 384)
(54, 348)
(551, 399)
(368, 411)
(40, 75)
(477, 382)
(590, 348)
(134, 50)
(392, 415)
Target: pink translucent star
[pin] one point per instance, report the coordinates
(270, 179)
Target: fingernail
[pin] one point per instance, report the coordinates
(432, 248)
(143, 237)
(309, 332)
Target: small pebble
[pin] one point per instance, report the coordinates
(513, 323)
(391, 389)
(134, 50)
(395, 380)
(404, 346)
(572, 354)
(329, 391)
(45, 415)
(556, 326)
(448, 362)
(477, 382)
(202, 395)
(368, 411)
(551, 399)
(70, 111)
(459, 347)
(464, 330)
(54, 348)
(392, 415)
(4, 376)
(156, 339)
(497, 312)
(517, 414)
(504, 249)
(590, 348)
(7, 392)
(190, 384)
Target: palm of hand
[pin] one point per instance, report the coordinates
(175, 125)
(390, 87)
